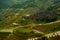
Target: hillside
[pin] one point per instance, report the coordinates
(27, 19)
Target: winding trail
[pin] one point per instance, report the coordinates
(11, 30)
(50, 23)
(50, 35)
(47, 35)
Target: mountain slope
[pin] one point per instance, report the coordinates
(42, 4)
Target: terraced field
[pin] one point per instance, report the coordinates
(44, 25)
(4, 35)
(45, 28)
(49, 27)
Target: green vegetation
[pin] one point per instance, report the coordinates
(26, 33)
(48, 28)
(4, 35)
(12, 15)
(23, 30)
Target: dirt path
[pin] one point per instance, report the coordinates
(11, 30)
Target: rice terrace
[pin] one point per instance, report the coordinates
(29, 19)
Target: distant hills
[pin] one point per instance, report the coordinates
(9, 3)
(13, 7)
(42, 4)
